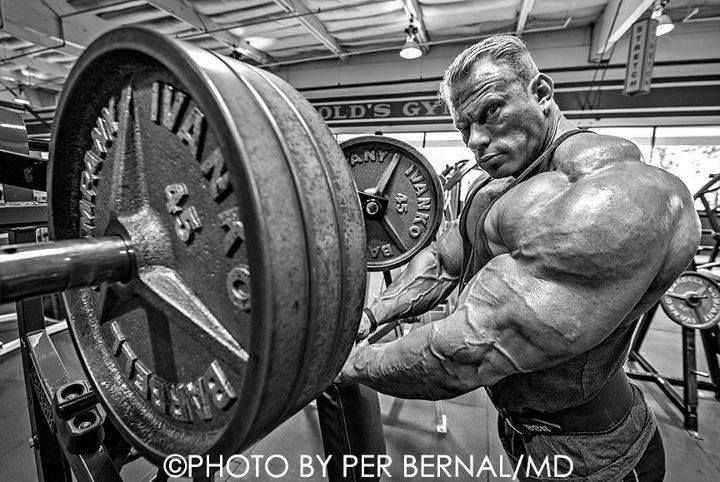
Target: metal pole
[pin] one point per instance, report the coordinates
(28, 270)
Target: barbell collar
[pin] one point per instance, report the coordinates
(36, 269)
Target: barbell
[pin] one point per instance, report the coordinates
(209, 241)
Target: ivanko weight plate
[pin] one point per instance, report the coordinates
(400, 195)
(246, 232)
(693, 301)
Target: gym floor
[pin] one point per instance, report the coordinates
(410, 425)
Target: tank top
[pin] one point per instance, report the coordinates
(569, 384)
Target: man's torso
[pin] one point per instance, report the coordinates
(486, 217)
(573, 382)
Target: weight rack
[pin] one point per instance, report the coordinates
(63, 451)
(688, 402)
(711, 214)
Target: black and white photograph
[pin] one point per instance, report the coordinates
(359, 240)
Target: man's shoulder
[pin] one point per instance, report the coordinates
(597, 214)
(587, 164)
(582, 154)
(636, 190)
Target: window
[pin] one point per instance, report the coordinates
(692, 154)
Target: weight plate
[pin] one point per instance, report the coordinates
(400, 195)
(247, 232)
(693, 301)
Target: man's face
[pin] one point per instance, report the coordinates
(501, 121)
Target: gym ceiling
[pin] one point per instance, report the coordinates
(41, 39)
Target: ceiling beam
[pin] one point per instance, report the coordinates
(79, 30)
(412, 8)
(616, 19)
(525, 9)
(40, 22)
(187, 13)
(313, 25)
(35, 22)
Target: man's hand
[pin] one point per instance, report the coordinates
(348, 370)
(366, 326)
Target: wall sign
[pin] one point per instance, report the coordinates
(418, 108)
(641, 57)
(670, 97)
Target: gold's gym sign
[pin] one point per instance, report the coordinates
(419, 108)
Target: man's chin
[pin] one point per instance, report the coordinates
(497, 172)
(503, 168)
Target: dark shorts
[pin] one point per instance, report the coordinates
(650, 467)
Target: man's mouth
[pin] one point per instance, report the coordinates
(484, 159)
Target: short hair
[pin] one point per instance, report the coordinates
(505, 49)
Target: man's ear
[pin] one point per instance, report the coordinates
(542, 90)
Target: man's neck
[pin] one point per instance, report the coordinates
(557, 126)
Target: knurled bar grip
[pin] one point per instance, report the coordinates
(35, 269)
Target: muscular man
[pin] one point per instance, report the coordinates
(556, 258)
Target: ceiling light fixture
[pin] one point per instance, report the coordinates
(411, 49)
(665, 23)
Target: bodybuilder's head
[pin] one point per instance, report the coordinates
(501, 103)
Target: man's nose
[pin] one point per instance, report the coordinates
(479, 139)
